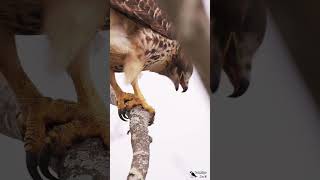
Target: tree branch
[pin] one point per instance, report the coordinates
(87, 159)
(9, 125)
(140, 140)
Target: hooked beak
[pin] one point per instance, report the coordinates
(240, 88)
(237, 70)
(174, 77)
(183, 83)
(239, 80)
(176, 85)
(185, 89)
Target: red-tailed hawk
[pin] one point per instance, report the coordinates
(237, 29)
(142, 38)
(70, 26)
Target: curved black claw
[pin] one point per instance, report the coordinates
(123, 114)
(151, 120)
(32, 165)
(44, 160)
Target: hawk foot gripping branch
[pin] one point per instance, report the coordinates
(142, 38)
(51, 126)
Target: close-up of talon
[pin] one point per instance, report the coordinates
(44, 160)
(39, 161)
(52, 126)
(40, 115)
(35, 113)
(127, 101)
(123, 114)
(151, 119)
(32, 165)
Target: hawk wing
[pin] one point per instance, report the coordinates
(147, 13)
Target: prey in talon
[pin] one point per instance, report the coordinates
(141, 40)
(51, 126)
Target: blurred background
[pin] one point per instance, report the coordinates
(273, 131)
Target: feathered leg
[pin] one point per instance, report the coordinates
(126, 101)
(89, 120)
(89, 99)
(122, 97)
(70, 26)
(124, 52)
(140, 100)
(25, 93)
(39, 112)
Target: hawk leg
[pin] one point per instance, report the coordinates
(34, 106)
(88, 118)
(88, 96)
(127, 101)
(82, 124)
(140, 100)
(42, 114)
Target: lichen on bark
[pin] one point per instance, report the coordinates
(86, 159)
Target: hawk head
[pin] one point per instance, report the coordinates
(179, 71)
(184, 70)
(238, 29)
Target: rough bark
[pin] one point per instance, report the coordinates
(9, 124)
(140, 140)
(193, 29)
(86, 160)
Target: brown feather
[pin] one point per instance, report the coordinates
(22, 17)
(147, 13)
